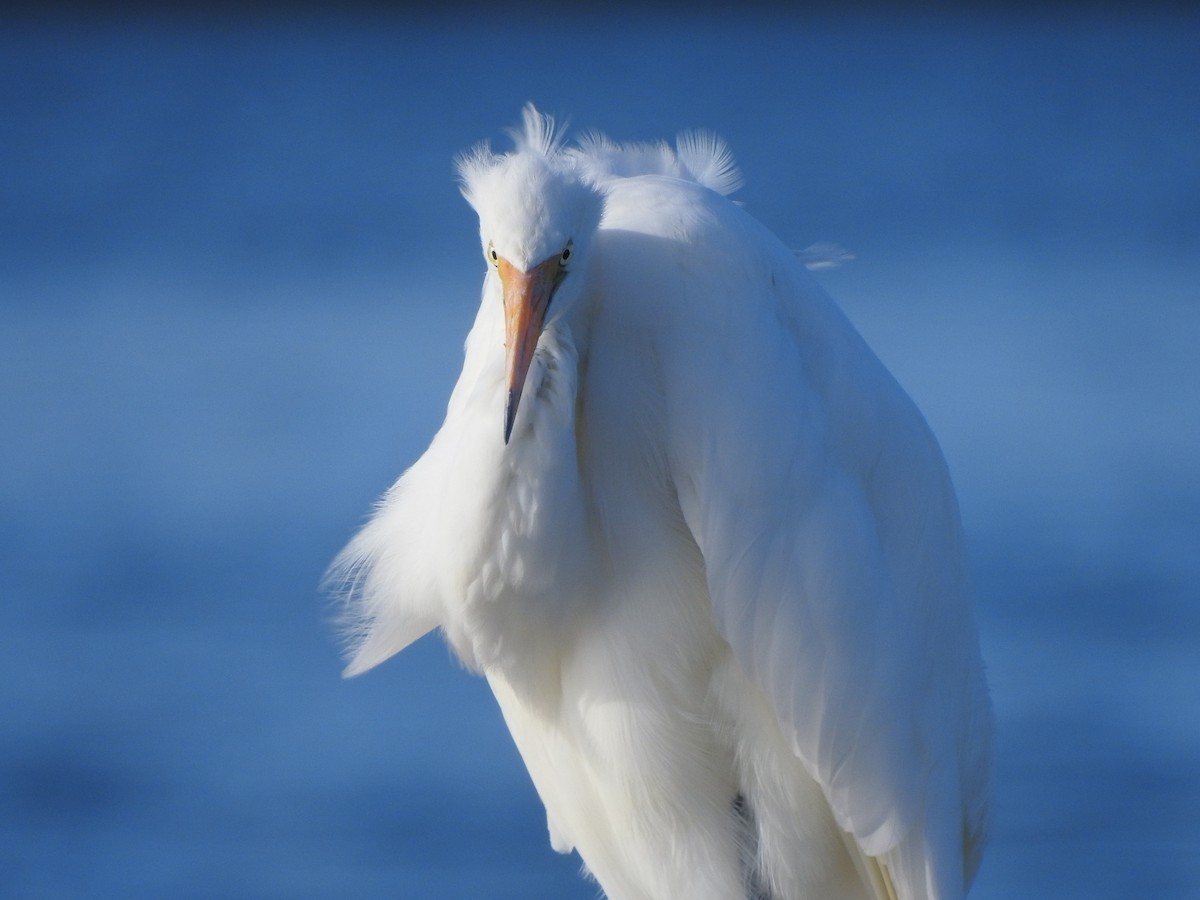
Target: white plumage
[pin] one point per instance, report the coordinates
(714, 576)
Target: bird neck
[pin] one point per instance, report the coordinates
(525, 496)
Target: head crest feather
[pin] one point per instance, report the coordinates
(538, 133)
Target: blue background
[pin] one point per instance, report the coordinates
(235, 274)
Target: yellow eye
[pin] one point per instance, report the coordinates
(493, 255)
(565, 256)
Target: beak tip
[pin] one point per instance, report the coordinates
(510, 414)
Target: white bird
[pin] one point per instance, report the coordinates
(703, 547)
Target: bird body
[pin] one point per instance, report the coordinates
(711, 564)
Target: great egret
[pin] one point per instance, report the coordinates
(700, 543)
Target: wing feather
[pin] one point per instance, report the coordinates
(383, 609)
(421, 545)
(822, 508)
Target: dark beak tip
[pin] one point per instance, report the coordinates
(510, 414)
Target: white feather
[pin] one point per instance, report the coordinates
(698, 156)
(707, 160)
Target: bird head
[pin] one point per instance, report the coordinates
(538, 212)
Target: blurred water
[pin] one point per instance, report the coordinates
(234, 279)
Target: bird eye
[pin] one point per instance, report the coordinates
(565, 255)
(493, 255)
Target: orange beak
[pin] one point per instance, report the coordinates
(526, 299)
